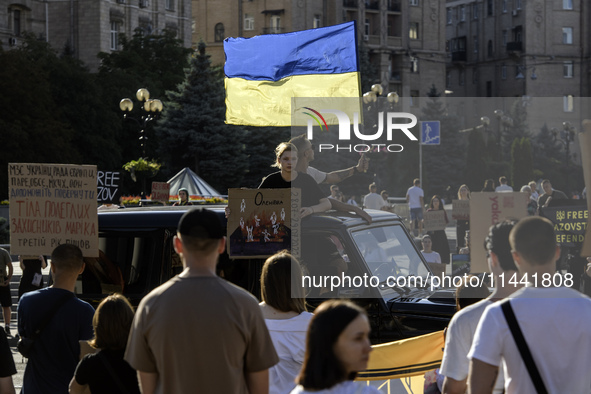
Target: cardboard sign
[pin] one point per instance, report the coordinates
(108, 183)
(160, 191)
(570, 223)
(434, 220)
(486, 209)
(460, 209)
(52, 204)
(263, 222)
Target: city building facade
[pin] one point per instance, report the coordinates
(505, 48)
(404, 38)
(87, 27)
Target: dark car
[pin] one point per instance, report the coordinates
(377, 265)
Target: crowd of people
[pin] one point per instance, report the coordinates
(198, 332)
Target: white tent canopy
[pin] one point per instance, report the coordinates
(189, 180)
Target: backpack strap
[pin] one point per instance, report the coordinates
(526, 355)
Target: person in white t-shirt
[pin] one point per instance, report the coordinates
(433, 258)
(503, 187)
(455, 364)
(286, 318)
(415, 199)
(554, 321)
(373, 200)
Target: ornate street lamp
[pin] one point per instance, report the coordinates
(152, 107)
(566, 136)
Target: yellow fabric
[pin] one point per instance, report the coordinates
(404, 358)
(268, 103)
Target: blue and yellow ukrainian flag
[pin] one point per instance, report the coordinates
(263, 73)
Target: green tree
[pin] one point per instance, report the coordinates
(31, 120)
(155, 62)
(442, 163)
(192, 132)
(522, 170)
(476, 166)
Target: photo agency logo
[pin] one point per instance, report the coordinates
(369, 137)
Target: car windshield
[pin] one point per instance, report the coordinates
(389, 255)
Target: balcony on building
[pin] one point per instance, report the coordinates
(273, 30)
(372, 4)
(394, 5)
(515, 46)
(458, 56)
(350, 3)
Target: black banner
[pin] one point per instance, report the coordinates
(108, 186)
(570, 223)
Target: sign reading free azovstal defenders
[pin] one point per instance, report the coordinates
(52, 204)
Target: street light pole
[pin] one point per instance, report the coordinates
(152, 107)
(566, 136)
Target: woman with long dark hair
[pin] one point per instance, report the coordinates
(337, 348)
(440, 243)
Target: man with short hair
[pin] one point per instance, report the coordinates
(550, 194)
(373, 200)
(415, 199)
(6, 271)
(198, 332)
(503, 187)
(554, 321)
(56, 351)
(455, 364)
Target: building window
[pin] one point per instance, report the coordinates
(413, 2)
(414, 65)
(16, 22)
(568, 69)
(449, 17)
(505, 37)
(569, 103)
(413, 32)
(504, 6)
(316, 22)
(474, 76)
(114, 36)
(169, 4)
(475, 44)
(462, 13)
(503, 72)
(219, 32)
(567, 35)
(448, 79)
(490, 48)
(366, 27)
(517, 4)
(475, 10)
(567, 4)
(248, 22)
(489, 7)
(462, 79)
(275, 24)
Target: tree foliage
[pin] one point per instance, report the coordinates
(522, 170)
(476, 166)
(192, 132)
(442, 163)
